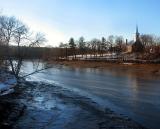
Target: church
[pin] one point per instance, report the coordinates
(137, 46)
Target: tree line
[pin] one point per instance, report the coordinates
(111, 44)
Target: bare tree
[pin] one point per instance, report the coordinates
(110, 42)
(95, 43)
(156, 40)
(14, 32)
(119, 43)
(88, 48)
(147, 39)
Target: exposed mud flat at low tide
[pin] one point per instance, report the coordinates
(53, 107)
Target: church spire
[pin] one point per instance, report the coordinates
(137, 33)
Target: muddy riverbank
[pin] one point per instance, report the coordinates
(52, 107)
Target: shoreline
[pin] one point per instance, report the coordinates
(79, 110)
(146, 69)
(101, 64)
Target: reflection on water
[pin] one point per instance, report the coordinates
(128, 91)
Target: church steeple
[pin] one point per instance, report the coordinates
(137, 33)
(137, 46)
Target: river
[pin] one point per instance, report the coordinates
(121, 90)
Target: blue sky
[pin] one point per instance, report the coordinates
(62, 19)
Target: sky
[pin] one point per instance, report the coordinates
(61, 19)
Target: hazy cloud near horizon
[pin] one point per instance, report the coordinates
(61, 19)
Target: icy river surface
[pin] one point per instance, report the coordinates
(124, 91)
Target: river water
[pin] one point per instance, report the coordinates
(123, 90)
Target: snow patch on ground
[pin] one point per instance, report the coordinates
(7, 82)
